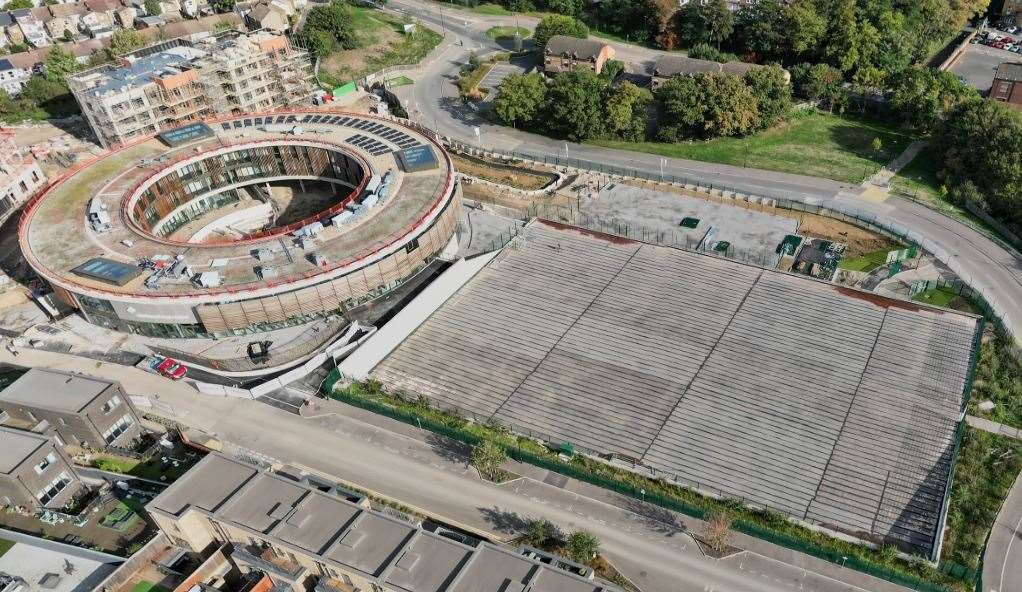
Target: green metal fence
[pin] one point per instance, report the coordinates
(668, 502)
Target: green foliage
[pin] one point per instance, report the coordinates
(559, 25)
(521, 98)
(625, 109)
(575, 105)
(612, 69)
(705, 21)
(999, 379)
(817, 82)
(772, 92)
(328, 28)
(922, 96)
(706, 106)
(223, 6)
(488, 457)
(705, 51)
(17, 48)
(153, 7)
(979, 146)
(539, 533)
(582, 546)
(60, 64)
(125, 40)
(18, 4)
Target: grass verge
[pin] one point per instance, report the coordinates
(819, 144)
(942, 297)
(5, 546)
(987, 466)
(384, 44)
(507, 32)
(867, 262)
(998, 379)
(763, 524)
(147, 586)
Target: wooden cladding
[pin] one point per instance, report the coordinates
(330, 295)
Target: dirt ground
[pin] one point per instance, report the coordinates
(528, 179)
(348, 62)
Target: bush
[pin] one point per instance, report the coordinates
(582, 546)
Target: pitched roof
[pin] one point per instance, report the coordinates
(675, 65)
(580, 49)
(68, 9)
(1009, 71)
(5, 19)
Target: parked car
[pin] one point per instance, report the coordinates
(169, 367)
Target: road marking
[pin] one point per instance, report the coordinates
(1007, 553)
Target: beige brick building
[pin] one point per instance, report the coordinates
(306, 539)
(164, 86)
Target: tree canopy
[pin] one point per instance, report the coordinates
(328, 28)
(559, 25)
(520, 99)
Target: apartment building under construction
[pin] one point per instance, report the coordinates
(162, 86)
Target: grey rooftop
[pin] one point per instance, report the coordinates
(16, 446)
(825, 403)
(54, 390)
(342, 534)
(580, 49)
(1009, 71)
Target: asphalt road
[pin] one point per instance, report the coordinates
(643, 542)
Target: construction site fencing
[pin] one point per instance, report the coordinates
(624, 487)
(982, 296)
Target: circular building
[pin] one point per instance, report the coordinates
(244, 224)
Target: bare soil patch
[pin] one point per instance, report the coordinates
(527, 179)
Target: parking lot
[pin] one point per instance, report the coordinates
(978, 63)
(498, 73)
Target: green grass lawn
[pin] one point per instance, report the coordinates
(817, 144)
(488, 8)
(943, 297)
(507, 32)
(147, 586)
(998, 379)
(399, 81)
(5, 546)
(867, 262)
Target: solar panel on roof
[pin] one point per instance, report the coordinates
(108, 271)
(417, 158)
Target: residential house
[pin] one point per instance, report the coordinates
(5, 22)
(12, 78)
(170, 9)
(125, 17)
(60, 28)
(190, 8)
(563, 53)
(670, 66)
(267, 16)
(306, 538)
(1007, 85)
(14, 34)
(34, 472)
(33, 30)
(84, 411)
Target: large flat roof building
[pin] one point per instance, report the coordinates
(831, 405)
(83, 411)
(163, 86)
(304, 538)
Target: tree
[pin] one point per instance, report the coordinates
(706, 21)
(761, 28)
(626, 107)
(681, 108)
(582, 546)
(153, 7)
(125, 40)
(804, 27)
(842, 44)
(922, 96)
(663, 24)
(18, 4)
(558, 25)
(575, 105)
(59, 65)
(817, 82)
(878, 145)
(717, 531)
(488, 457)
(979, 145)
(566, 7)
(729, 106)
(612, 69)
(68, 36)
(223, 6)
(329, 27)
(520, 99)
(773, 93)
(539, 533)
(631, 19)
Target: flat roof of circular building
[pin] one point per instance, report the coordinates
(62, 246)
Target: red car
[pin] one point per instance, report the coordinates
(172, 369)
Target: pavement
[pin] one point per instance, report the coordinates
(978, 63)
(649, 545)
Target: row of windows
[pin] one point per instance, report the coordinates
(114, 431)
(54, 488)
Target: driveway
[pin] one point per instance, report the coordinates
(978, 63)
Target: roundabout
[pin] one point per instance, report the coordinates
(245, 224)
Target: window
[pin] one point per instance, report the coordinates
(54, 488)
(114, 431)
(110, 405)
(46, 462)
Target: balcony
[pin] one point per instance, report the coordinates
(334, 585)
(265, 560)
